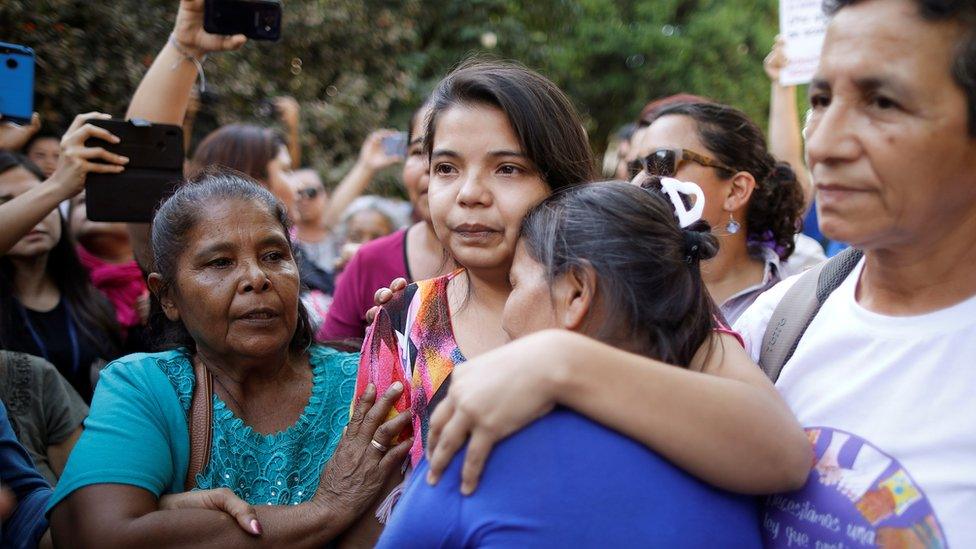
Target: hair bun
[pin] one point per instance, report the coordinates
(700, 243)
(782, 171)
(692, 246)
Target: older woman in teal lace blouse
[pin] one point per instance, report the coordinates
(146, 399)
(228, 285)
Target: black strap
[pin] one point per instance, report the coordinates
(798, 308)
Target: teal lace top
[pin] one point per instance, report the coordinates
(137, 434)
(281, 468)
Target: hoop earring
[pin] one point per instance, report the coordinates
(733, 226)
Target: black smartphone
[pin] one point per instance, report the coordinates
(257, 19)
(155, 169)
(16, 83)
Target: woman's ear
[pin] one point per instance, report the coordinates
(743, 183)
(155, 283)
(574, 293)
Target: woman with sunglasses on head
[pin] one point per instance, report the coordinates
(753, 203)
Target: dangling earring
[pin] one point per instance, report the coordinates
(733, 226)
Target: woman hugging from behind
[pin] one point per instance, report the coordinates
(609, 261)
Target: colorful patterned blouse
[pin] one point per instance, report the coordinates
(412, 341)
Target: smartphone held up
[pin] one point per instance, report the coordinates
(155, 168)
(16, 83)
(257, 19)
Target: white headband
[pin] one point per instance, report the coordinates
(674, 189)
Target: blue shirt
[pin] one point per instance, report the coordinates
(137, 433)
(27, 524)
(566, 481)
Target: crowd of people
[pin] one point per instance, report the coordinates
(526, 352)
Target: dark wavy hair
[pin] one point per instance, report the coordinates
(179, 214)
(964, 64)
(544, 120)
(649, 285)
(651, 109)
(91, 312)
(775, 211)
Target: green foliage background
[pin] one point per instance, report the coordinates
(355, 65)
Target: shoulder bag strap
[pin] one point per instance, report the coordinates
(798, 307)
(200, 423)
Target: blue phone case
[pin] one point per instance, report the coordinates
(16, 83)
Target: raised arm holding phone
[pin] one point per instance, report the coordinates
(163, 96)
(164, 93)
(18, 215)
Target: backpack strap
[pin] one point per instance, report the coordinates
(201, 424)
(799, 306)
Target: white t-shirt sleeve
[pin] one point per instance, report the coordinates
(752, 323)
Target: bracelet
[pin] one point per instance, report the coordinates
(197, 62)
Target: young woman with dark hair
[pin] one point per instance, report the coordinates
(500, 138)
(584, 263)
(48, 306)
(753, 203)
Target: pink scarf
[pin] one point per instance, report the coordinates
(122, 284)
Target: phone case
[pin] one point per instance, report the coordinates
(155, 169)
(256, 19)
(16, 83)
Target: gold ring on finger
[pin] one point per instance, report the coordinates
(378, 446)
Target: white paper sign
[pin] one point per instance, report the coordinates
(802, 24)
